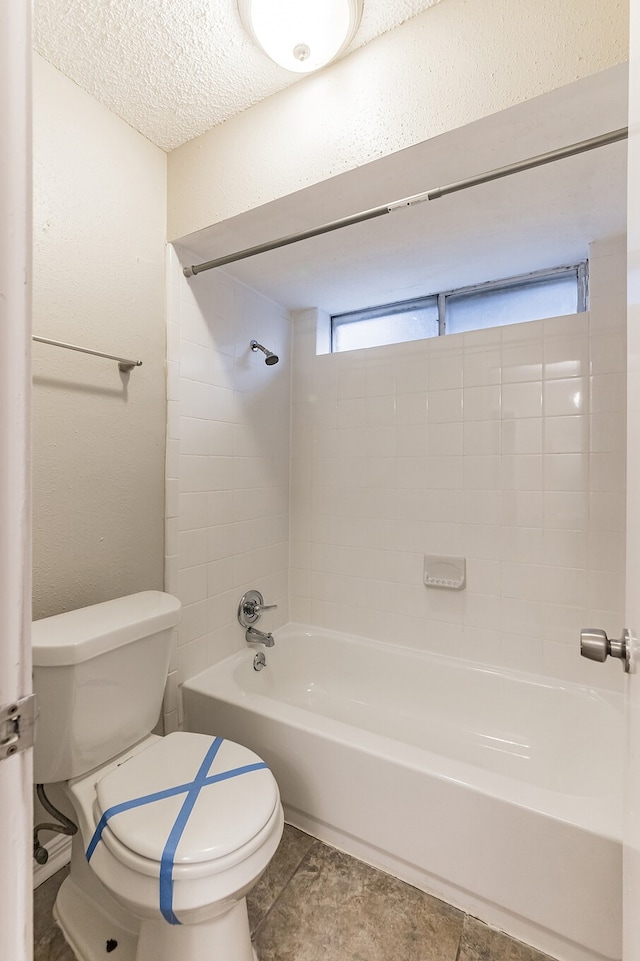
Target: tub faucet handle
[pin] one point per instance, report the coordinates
(251, 607)
(261, 608)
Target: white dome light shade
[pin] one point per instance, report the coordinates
(301, 35)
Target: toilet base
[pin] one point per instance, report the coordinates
(93, 934)
(88, 930)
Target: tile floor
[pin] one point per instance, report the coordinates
(317, 904)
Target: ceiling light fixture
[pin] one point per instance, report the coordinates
(301, 35)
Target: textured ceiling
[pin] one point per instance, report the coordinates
(175, 68)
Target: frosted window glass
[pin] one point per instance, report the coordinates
(393, 328)
(554, 297)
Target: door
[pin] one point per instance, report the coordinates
(15, 561)
(631, 905)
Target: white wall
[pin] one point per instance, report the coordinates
(458, 61)
(227, 508)
(506, 446)
(98, 436)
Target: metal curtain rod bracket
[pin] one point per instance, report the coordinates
(550, 157)
(123, 363)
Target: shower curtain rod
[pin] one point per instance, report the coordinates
(545, 158)
(124, 364)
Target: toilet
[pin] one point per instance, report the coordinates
(174, 831)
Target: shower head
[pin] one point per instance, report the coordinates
(270, 357)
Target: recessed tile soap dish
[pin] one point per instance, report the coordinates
(443, 571)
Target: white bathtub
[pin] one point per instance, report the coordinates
(496, 791)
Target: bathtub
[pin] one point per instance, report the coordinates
(496, 791)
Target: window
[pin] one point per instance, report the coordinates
(389, 324)
(549, 293)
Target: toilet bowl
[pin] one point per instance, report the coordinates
(173, 832)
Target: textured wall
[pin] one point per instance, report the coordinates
(454, 63)
(506, 446)
(98, 437)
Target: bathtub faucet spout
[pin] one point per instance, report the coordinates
(254, 636)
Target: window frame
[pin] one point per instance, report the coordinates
(581, 271)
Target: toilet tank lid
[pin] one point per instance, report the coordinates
(76, 636)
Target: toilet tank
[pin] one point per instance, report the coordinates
(99, 675)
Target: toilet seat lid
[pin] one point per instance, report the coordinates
(206, 796)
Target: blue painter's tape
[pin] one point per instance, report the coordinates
(192, 789)
(166, 862)
(126, 806)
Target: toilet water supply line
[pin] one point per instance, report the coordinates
(192, 790)
(66, 826)
(570, 151)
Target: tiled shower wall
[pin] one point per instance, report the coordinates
(227, 501)
(506, 446)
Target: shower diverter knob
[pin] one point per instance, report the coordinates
(595, 645)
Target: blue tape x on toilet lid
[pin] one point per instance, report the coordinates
(228, 812)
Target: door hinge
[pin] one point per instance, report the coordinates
(17, 725)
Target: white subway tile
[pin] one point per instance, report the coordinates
(522, 436)
(481, 367)
(565, 435)
(352, 382)
(482, 437)
(524, 581)
(522, 361)
(192, 659)
(192, 511)
(566, 356)
(522, 617)
(606, 590)
(220, 576)
(482, 472)
(522, 508)
(411, 375)
(220, 438)
(606, 550)
(565, 548)
(194, 436)
(480, 507)
(521, 400)
(566, 472)
(444, 406)
(192, 584)
(522, 472)
(193, 622)
(444, 370)
(566, 510)
(220, 542)
(565, 585)
(481, 403)
(381, 410)
(608, 352)
(565, 397)
(194, 361)
(350, 412)
(608, 432)
(192, 548)
(608, 393)
(607, 472)
(607, 511)
(523, 545)
(446, 473)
